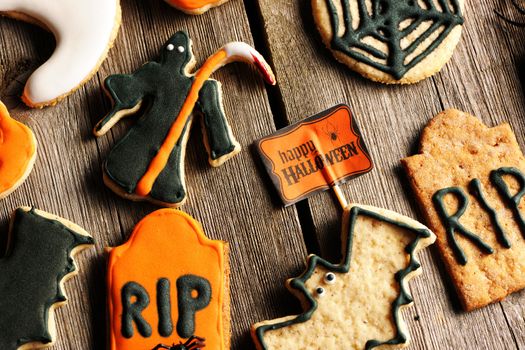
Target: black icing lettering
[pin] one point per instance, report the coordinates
(513, 202)
(188, 304)
(452, 224)
(164, 307)
(132, 310)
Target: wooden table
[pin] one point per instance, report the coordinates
(236, 202)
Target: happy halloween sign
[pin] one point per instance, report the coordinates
(315, 154)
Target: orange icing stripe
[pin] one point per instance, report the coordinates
(167, 244)
(160, 160)
(17, 150)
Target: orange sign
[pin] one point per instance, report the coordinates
(315, 154)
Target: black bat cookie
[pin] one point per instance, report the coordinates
(38, 258)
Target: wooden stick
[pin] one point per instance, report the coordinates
(340, 196)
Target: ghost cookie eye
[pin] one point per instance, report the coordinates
(320, 291)
(329, 278)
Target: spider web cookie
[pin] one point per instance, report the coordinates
(393, 42)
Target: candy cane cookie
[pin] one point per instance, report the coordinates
(84, 31)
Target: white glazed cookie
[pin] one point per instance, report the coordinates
(84, 32)
(356, 304)
(395, 42)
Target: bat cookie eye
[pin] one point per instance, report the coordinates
(319, 291)
(170, 47)
(329, 278)
(180, 49)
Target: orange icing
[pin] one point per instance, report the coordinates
(17, 150)
(167, 244)
(191, 4)
(160, 160)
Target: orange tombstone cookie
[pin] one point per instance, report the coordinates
(17, 152)
(169, 284)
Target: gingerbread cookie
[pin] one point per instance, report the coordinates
(17, 152)
(195, 7)
(469, 180)
(38, 261)
(84, 31)
(148, 163)
(169, 284)
(355, 304)
(393, 42)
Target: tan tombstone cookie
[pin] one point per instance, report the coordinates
(469, 180)
(392, 42)
(357, 303)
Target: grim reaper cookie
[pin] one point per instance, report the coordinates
(392, 41)
(148, 162)
(38, 261)
(355, 304)
(84, 31)
(469, 181)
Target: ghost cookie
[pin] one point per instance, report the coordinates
(148, 162)
(84, 31)
(393, 42)
(355, 304)
(169, 285)
(38, 261)
(469, 180)
(17, 152)
(195, 7)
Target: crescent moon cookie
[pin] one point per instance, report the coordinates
(148, 163)
(38, 261)
(392, 41)
(17, 152)
(169, 284)
(84, 31)
(355, 304)
(195, 7)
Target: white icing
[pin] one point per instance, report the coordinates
(240, 49)
(180, 49)
(83, 31)
(170, 47)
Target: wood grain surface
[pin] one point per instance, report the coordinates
(236, 202)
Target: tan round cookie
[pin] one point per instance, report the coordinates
(425, 68)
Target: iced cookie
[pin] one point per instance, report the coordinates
(169, 284)
(469, 181)
(17, 152)
(148, 163)
(38, 261)
(393, 42)
(355, 304)
(195, 7)
(84, 31)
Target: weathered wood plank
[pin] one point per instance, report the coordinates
(233, 202)
(391, 119)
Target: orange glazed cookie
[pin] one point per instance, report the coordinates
(195, 7)
(169, 284)
(17, 152)
(469, 180)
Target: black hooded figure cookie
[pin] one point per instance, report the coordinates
(148, 162)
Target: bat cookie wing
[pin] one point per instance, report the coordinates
(354, 304)
(38, 261)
